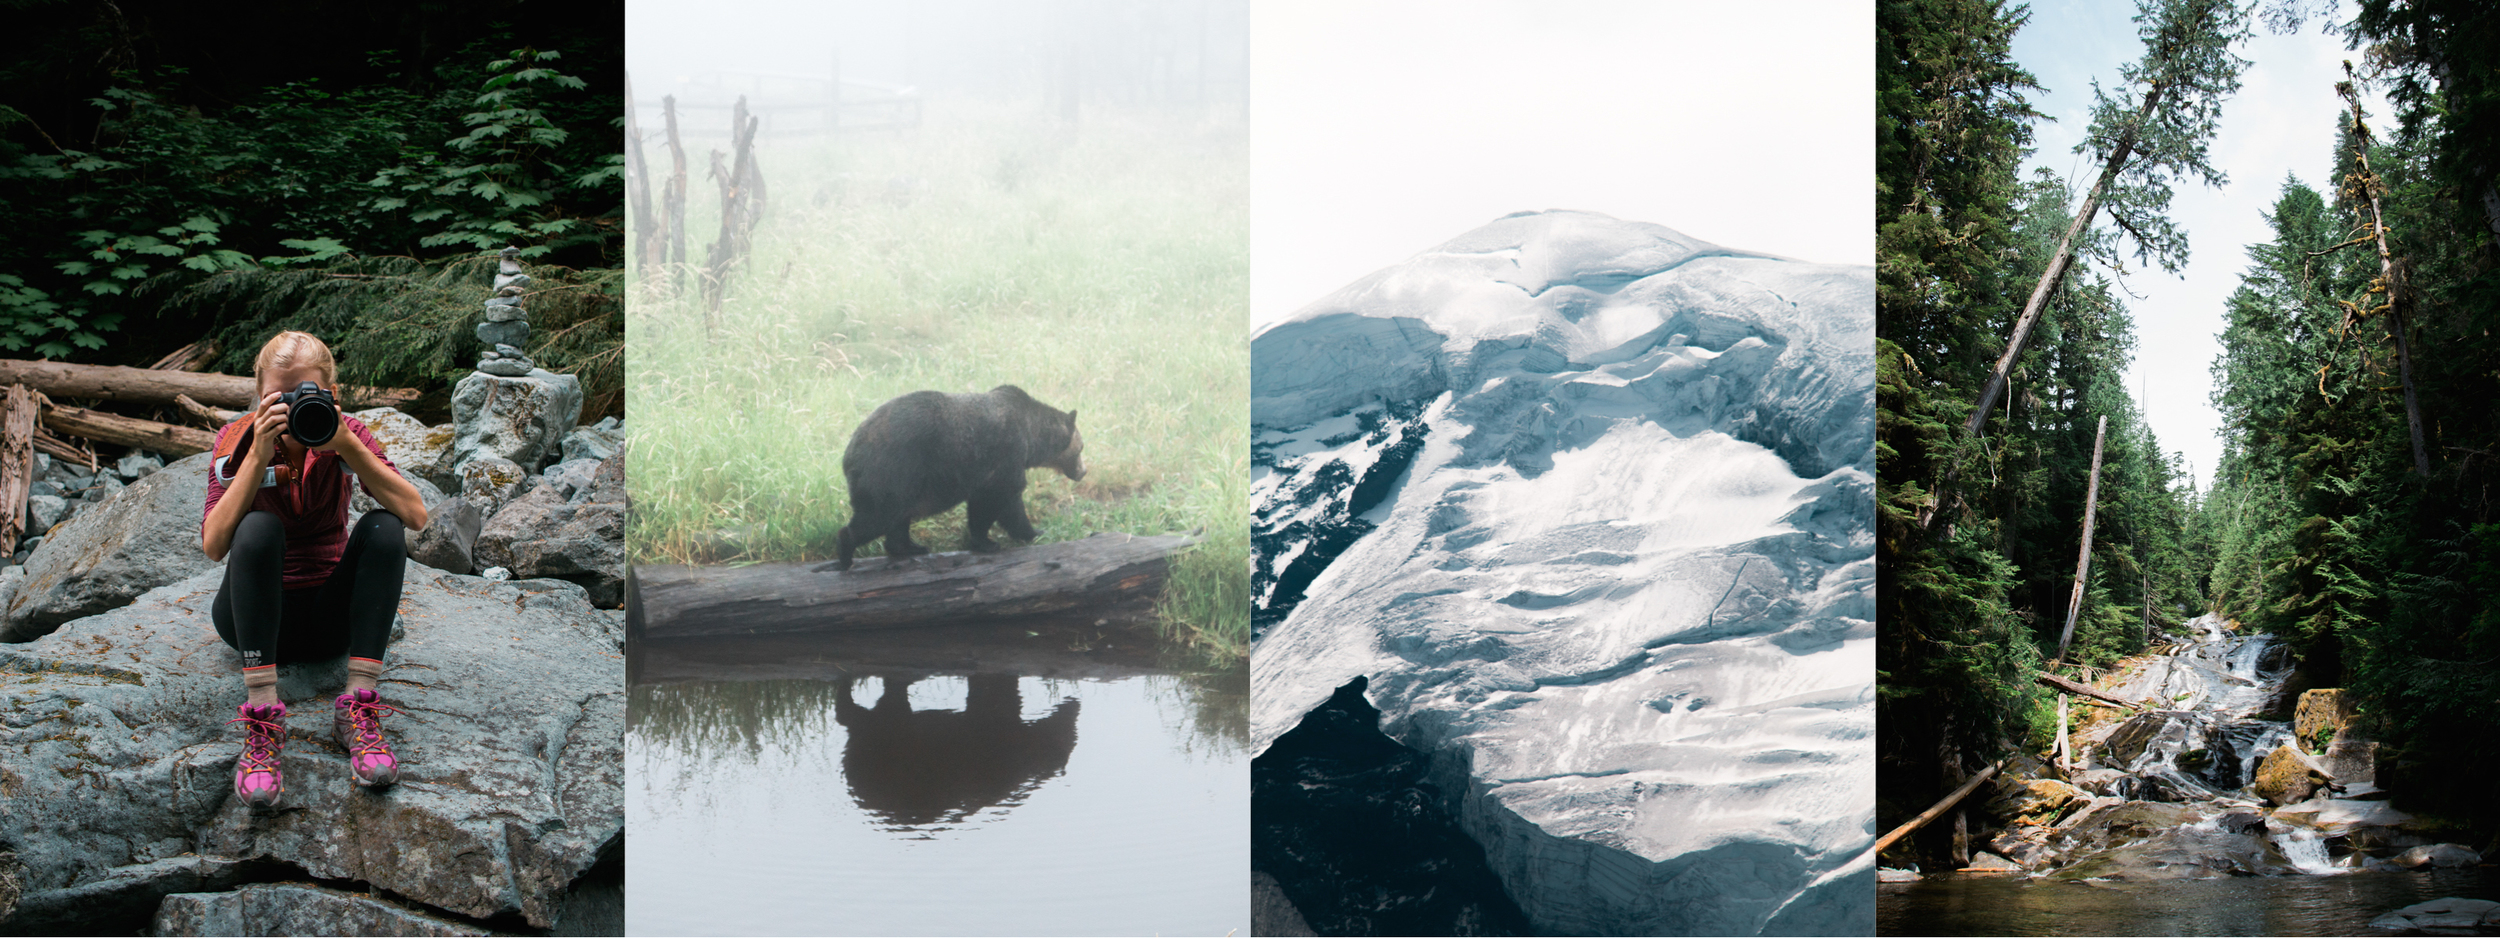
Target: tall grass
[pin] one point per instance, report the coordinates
(1103, 268)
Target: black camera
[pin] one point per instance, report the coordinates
(312, 415)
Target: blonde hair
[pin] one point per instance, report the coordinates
(296, 350)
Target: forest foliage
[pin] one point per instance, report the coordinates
(2316, 527)
(157, 196)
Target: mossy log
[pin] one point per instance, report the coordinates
(881, 593)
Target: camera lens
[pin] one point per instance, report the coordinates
(311, 417)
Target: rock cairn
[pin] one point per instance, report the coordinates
(506, 328)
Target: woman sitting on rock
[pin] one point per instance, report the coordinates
(299, 585)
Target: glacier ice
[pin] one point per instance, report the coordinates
(1590, 503)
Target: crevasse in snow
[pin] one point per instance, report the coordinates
(1590, 502)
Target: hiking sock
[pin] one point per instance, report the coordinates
(261, 685)
(364, 674)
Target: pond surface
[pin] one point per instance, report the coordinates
(2240, 905)
(961, 781)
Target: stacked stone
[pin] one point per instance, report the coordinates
(507, 325)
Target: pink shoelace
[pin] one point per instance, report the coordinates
(366, 716)
(260, 746)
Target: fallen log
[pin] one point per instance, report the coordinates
(154, 386)
(166, 438)
(58, 448)
(192, 357)
(214, 418)
(1940, 808)
(2076, 687)
(880, 593)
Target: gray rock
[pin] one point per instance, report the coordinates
(146, 537)
(296, 909)
(1890, 875)
(515, 332)
(30, 544)
(597, 441)
(490, 482)
(70, 476)
(44, 511)
(2439, 856)
(137, 465)
(505, 312)
(512, 781)
(449, 540)
(520, 418)
(570, 476)
(123, 899)
(362, 501)
(506, 368)
(42, 465)
(2461, 915)
(418, 450)
(42, 486)
(101, 487)
(563, 530)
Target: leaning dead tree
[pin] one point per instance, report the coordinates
(2364, 187)
(741, 206)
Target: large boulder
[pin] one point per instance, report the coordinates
(2283, 777)
(521, 419)
(296, 909)
(449, 540)
(595, 442)
(146, 536)
(2035, 801)
(2445, 856)
(2321, 716)
(2442, 917)
(118, 763)
(571, 526)
(420, 451)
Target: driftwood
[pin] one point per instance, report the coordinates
(102, 427)
(879, 593)
(193, 357)
(1940, 808)
(59, 448)
(210, 417)
(17, 462)
(2087, 690)
(154, 386)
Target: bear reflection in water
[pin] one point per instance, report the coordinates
(918, 769)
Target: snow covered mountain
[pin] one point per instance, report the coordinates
(1590, 503)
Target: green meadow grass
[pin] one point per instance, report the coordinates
(1102, 268)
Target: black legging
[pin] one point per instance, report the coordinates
(349, 614)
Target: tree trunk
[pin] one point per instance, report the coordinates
(2087, 690)
(681, 601)
(102, 427)
(2057, 267)
(1932, 813)
(211, 417)
(17, 463)
(673, 195)
(2388, 275)
(193, 357)
(148, 385)
(2083, 562)
(638, 186)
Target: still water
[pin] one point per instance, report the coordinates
(2250, 905)
(962, 782)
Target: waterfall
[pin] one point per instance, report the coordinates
(2305, 848)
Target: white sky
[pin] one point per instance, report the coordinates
(2281, 121)
(1380, 129)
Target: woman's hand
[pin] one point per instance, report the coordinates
(267, 428)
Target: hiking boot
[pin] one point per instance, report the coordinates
(357, 718)
(256, 778)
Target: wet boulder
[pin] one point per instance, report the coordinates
(2442, 917)
(1986, 862)
(2125, 823)
(2099, 781)
(2284, 778)
(2161, 733)
(119, 761)
(2032, 801)
(103, 557)
(2440, 856)
(2194, 851)
(2241, 822)
(2321, 716)
(2026, 846)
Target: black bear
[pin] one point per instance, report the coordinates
(926, 451)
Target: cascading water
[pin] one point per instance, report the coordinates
(2205, 748)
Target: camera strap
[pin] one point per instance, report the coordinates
(236, 445)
